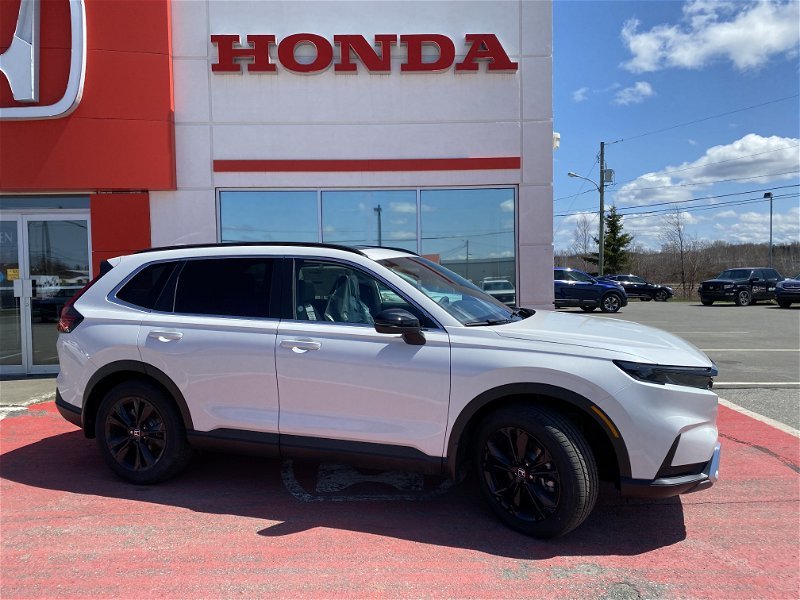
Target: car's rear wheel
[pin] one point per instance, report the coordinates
(661, 296)
(588, 308)
(535, 470)
(742, 298)
(140, 433)
(610, 303)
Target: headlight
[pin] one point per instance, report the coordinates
(727, 286)
(697, 377)
(779, 285)
(669, 289)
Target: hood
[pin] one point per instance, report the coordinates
(631, 341)
(722, 281)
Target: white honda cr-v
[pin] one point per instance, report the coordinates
(380, 358)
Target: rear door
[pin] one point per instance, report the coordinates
(213, 333)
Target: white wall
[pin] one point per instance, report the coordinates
(363, 115)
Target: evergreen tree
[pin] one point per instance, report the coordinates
(616, 244)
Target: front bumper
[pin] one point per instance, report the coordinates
(717, 294)
(666, 487)
(792, 295)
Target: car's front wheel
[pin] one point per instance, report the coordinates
(610, 303)
(706, 302)
(661, 296)
(140, 433)
(742, 298)
(535, 470)
(783, 303)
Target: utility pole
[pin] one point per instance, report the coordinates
(378, 211)
(769, 195)
(601, 188)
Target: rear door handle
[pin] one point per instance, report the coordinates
(300, 346)
(165, 336)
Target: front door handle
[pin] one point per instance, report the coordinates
(300, 346)
(165, 336)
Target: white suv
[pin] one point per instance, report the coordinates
(380, 358)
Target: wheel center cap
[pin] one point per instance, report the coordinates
(136, 433)
(520, 473)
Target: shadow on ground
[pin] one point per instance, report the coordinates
(253, 488)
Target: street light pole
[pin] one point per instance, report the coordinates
(600, 188)
(769, 195)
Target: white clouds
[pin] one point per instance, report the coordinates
(753, 227)
(636, 94)
(746, 34)
(753, 156)
(507, 205)
(581, 94)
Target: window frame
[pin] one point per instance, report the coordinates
(289, 296)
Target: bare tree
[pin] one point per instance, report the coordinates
(686, 252)
(583, 243)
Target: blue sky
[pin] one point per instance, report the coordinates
(624, 69)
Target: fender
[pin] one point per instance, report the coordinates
(135, 366)
(536, 389)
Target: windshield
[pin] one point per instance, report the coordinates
(580, 276)
(459, 297)
(735, 274)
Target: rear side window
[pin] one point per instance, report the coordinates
(233, 287)
(145, 287)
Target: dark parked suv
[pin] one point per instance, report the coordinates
(636, 287)
(576, 288)
(742, 286)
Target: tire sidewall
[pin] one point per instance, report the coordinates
(563, 519)
(743, 298)
(175, 452)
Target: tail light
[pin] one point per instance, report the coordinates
(70, 318)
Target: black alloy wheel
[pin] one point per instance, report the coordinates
(535, 470)
(610, 303)
(661, 296)
(140, 433)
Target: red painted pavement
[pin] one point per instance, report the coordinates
(229, 527)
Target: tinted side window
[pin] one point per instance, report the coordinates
(558, 275)
(234, 287)
(145, 287)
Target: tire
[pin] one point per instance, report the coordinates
(783, 303)
(742, 298)
(610, 303)
(661, 296)
(706, 302)
(646, 298)
(535, 470)
(140, 433)
(588, 308)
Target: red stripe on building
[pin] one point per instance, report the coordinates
(342, 166)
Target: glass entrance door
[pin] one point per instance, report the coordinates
(11, 343)
(52, 263)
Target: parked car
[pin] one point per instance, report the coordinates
(293, 351)
(636, 287)
(576, 288)
(500, 289)
(788, 291)
(742, 286)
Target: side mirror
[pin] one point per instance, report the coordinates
(397, 320)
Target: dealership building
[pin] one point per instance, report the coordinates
(128, 124)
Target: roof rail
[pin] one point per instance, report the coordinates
(247, 244)
(369, 246)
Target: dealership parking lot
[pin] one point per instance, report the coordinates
(234, 526)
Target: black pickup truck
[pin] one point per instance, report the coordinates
(742, 286)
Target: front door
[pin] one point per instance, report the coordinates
(44, 261)
(345, 387)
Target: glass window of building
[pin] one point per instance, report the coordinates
(470, 231)
(269, 216)
(370, 217)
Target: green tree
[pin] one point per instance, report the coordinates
(616, 244)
